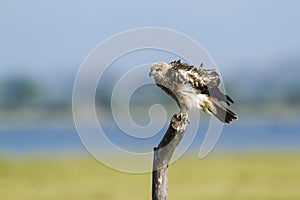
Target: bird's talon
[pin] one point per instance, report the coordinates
(188, 120)
(184, 117)
(179, 115)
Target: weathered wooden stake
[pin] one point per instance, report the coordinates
(162, 156)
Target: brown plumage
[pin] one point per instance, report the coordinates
(192, 87)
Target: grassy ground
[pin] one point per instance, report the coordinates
(229, 177)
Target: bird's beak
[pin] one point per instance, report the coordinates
(150, 73)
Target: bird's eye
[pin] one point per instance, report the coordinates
(157, 69)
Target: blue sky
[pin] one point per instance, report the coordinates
(50, 37)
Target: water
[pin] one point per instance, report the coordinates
(39, 141)
(261, 137)
(53, 141)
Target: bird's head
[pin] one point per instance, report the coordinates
(159, 69)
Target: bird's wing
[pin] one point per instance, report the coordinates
(169, 92)
(197, 77)
(204, 81)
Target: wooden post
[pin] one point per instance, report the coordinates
(162, 156)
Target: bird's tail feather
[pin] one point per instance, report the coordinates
(222, 113)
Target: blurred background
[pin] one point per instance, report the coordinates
(255, 45)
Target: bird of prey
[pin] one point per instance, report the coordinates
(191, 87)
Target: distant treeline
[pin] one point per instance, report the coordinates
(274, 86)
(20, 92)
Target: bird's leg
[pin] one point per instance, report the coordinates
(179, 115)
(183, 116)
(186, 118)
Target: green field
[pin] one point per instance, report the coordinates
(240, 177)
